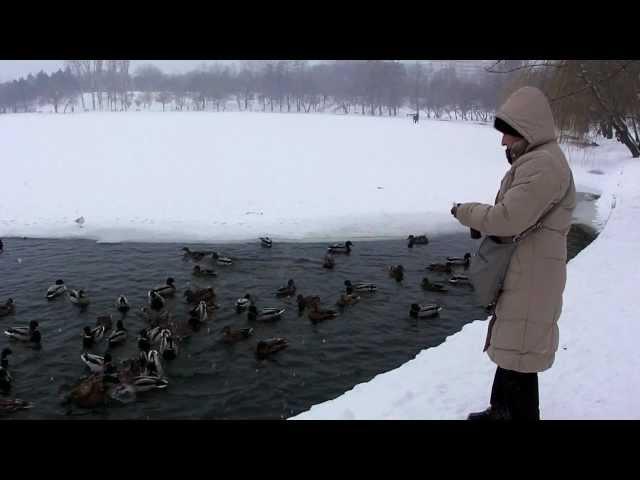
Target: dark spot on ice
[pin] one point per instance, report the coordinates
(596, 172)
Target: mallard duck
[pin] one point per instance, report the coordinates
(304, 302)
(79, 297)
(91, 336)
(424, 311)
(266, 242)
(243, 303)
(5, 376)
(168, 346)
(29, 334)
(55, 290)
(265, 315)
(440, 267)
(94, 362)
(200, 313)
(166, 290)
(205, 294)
(329, 262)
(154, 365)
(433, 287)
(233, 336)
(348, 298)
(417, 240)
(122, 304)
(155, 335)
(318, 315)
(361, 287)
(196, 256)
(201, 272)
(396, 272)
(144, 343)
(8, 308)
(341, 248)
(220, 260)
(288, 290)
(465, 261)
(270, 345)
(13, 405)
(119, 335)
(145, 383)
(156, 301)
(460, 280)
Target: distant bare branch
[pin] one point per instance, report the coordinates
(522, 67)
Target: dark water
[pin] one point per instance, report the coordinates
(211, 379)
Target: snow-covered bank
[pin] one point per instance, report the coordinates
(202, 176)
(594, 376)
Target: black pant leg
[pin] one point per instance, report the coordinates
(524, 396)
(498, 397)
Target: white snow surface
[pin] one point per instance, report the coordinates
(595, 372)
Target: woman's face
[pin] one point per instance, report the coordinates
(508, 140)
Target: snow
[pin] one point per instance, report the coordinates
(594, 375)
(235, 176)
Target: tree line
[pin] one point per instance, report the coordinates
(378, 88)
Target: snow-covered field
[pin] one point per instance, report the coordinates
(595, 373)
(204, 176)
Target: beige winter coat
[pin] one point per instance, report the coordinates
(524, 333)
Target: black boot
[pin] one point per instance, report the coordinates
(490, 414)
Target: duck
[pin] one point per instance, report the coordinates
(361, 287)
(156, 301)
(94, 362)
(196, 256)
(55, 290)
(145, 383)
(417, 240)
(154, 365)
(8, 308)
(318, 315)
(396, 272)
(200, 313)
(464, 261)
(122, 304)
(269, 346)
(348, 298)
(329, 262)
(304, 302)
(29, 334)
(233, 336)
(119, 335)
(79, 297)
(460, 280)
(13, 405)
(168, 346)
(243, 303)
(424, 311)
(433, 287)
(201, 272)
(344, 248)
(440, 267)
(5, 376)
(155, 335)
(287, 291)
(166, 290)
(266, 242)
(91, 336)
(144, 343)
(265, 315)
(194, 297)
(221, 260)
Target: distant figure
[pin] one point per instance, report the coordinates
(1, 246)
(80, 221)
(416, 117)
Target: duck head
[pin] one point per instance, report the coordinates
(87, 331)
(467, 256)
(33, 325)
(348, 244)
(59, 282)
(170, 281)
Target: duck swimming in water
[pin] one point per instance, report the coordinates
(201, 272)
(243, 303)
(433, 287)
(270, 346)
(417, 240)
(264, 315)
(266, 242)
(147, 383)
(304, 302)
(341, 248)
(91, 336)
(348, 298)
(79, 297)
(233, 336)
(361, 287)
(460, 280)
(119, 335)
(29, 334)
(156, 301)
(8, 308)
(465, 261)
(287, 291)
(59, 288)
(167, 290)
(196, 256)
(94, 362)
(318, 315)
(397, 273)
(221, 260)
(122, 304)
(424, 311)
(168, 345)
(200, 313)
(205, 294)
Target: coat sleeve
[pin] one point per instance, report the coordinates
(536, 185)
